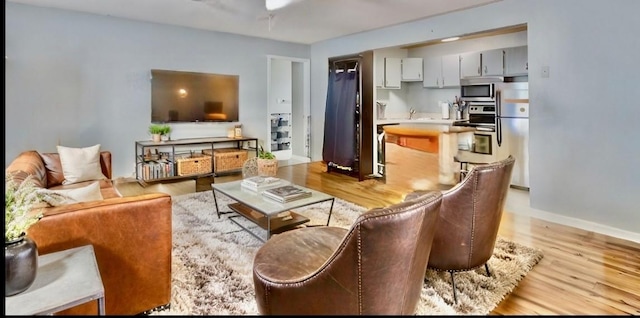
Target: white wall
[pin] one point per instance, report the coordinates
(78, 79)
(583, 149)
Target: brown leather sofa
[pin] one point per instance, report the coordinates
(131, 236)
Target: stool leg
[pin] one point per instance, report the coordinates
(464, 168)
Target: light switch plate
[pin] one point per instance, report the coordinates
(545, 71)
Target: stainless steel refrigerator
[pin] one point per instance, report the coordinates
(512, 128)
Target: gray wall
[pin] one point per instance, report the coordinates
(583, 146)
(76, 80)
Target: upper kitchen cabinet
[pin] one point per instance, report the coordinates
(442, 71)
(470, 64)
(412, 69)
(516, 61)
(485, 63)
(392, 72)
(492, 62)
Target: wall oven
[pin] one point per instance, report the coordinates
(482, 116)
(482, 144)
(478, 146)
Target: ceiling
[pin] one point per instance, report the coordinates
(301, 21)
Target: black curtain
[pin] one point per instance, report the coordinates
(339, 118)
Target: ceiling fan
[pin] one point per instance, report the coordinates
(272, 5)
(248, 9)
(236, 6)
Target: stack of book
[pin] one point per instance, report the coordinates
(259, 183)
(286, 193)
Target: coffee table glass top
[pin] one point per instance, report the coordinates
(257, 201)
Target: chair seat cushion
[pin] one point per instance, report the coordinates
(294, 255)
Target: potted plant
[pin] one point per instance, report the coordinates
(159, 130)
(267, 163)
(21, 253)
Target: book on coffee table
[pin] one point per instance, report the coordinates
(286, 193)
(259, 183)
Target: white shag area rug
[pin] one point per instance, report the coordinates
(213, 259)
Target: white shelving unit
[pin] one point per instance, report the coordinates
(281, 135)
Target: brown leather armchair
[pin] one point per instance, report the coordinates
(374, 268)
(469, 219)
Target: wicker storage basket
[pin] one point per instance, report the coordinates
(267, 167)
(228, 158)
(196, 164)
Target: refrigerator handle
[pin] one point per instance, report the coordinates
(499, 130)
(499, 118)
(498, 103)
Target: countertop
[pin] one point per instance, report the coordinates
(421, 130)
(424, 120)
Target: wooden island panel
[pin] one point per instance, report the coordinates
(413, 137)
(440, 139)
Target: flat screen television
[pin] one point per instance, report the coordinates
(178, 96)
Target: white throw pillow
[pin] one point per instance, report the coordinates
(68, 196)
(80, 164)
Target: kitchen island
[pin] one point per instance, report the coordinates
(430, 137)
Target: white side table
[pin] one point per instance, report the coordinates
(65, 279)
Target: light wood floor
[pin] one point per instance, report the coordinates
(582, 272)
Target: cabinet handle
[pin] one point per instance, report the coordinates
(485, 69)
(479, 71)
(526, 66)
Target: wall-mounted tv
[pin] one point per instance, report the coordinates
(178, 96)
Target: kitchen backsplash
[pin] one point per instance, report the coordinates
(425, 101)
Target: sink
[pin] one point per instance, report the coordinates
(424, 118)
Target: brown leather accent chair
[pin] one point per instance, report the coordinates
(469, 219)
(376, 267)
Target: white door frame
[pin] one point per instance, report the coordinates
(306, 101)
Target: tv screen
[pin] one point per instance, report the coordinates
(178, 96)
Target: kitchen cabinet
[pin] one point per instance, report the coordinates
(516, 61)
(442, 71)
(390, 75)
(412, 69)
(492, 62)
(470, 64)
(485, 63)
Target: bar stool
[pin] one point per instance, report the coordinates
(464, 166)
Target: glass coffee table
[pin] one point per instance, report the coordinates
(272, 216)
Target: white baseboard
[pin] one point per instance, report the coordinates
(294, 160)
(518, 202)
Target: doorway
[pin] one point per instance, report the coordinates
(289, 109)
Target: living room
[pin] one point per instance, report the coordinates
(77, 79)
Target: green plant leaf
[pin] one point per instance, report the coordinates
(20, 199)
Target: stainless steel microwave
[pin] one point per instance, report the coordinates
(478, 92)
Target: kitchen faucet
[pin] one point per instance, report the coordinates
(411, 112)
